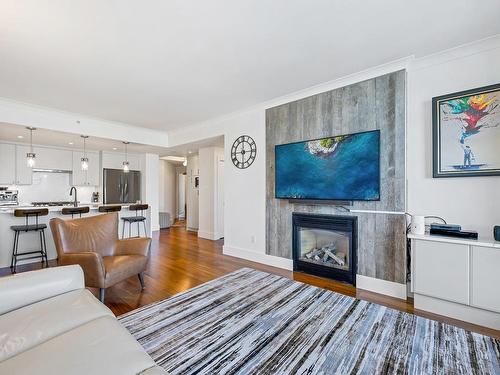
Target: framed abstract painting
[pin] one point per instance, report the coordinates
(466, 133)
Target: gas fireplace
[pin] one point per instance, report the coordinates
(325, 245)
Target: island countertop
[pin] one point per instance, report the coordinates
(92, 206)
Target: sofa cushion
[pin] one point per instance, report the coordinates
(156, 370)
(101, 346)
(29, 287)
(31, 325)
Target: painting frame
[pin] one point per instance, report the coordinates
(437, 170)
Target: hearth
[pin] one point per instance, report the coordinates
(325, 245)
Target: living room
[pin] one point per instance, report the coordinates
(332, 200)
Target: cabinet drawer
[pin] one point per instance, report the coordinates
(441, 270)
(486, 278)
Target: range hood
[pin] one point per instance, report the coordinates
(45, 170)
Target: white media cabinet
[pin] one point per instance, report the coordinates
(458, 278)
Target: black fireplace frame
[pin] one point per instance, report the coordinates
(341, 223)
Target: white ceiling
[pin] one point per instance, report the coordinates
(165, 64)
(44, 137)
(193, 147)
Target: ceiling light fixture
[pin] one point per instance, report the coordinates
(114, 149)
(85, 159)
(70, 143)
(125, 163)
(20, 136)
(30, 156)
(185, 163)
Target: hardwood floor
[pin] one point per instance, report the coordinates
(180, 260)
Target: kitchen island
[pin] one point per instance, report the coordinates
(30, 241)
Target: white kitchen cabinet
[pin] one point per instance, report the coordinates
(486, 278)
(456, 277)
(24, 174)
(115, 161)
(53, 158)
(441, 270)
(8, 160)
(89, 177)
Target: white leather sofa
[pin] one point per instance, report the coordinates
(51, 324)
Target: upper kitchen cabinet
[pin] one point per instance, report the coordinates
(90, 177)
(24, 174)
(115, 161)
(52, 158)
(8, 169)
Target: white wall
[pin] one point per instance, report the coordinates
(192, 197)
(208, 193)
(150, 186)
(167, 188)
(180, 193)
(458, 69)
(470, 201)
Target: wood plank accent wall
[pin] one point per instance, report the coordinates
(378, 103)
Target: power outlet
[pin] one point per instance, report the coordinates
(252, 238)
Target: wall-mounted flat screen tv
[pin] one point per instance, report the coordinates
(344, 167)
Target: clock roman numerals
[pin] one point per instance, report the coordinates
(243, 152)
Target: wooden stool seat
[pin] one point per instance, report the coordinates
(109, 208)
(75, 211)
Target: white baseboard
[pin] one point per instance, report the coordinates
(253, 256)
(389, 288)
(454, 310)
(209, 235)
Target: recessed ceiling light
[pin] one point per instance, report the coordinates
(114, 149)
(20, 137)
(70, 143)
(190, 152)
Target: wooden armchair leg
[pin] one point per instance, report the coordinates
(102, 294)
(141, 279)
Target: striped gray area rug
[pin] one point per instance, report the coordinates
(251, 322)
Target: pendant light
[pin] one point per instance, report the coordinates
(125, 163)
(30, 156)
(85, 159)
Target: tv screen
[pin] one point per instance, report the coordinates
(345, 167)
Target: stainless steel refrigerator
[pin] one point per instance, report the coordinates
(121, 187)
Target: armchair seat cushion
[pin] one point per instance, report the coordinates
(34, 324)
(120, 267)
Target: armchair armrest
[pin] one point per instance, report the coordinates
(29, 287)
(133, 246)
(92, 264)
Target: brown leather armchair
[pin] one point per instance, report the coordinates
(93, 243)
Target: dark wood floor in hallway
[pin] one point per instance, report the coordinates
(180, 260)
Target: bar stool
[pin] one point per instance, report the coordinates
(110, 208)
(37, 227)
(135, 219)
(75, 211)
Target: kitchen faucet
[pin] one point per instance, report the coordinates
(71, 194)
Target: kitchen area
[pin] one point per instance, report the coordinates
(71, 176)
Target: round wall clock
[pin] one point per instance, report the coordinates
(243, 151)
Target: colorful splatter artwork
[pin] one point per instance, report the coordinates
(467, 133)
